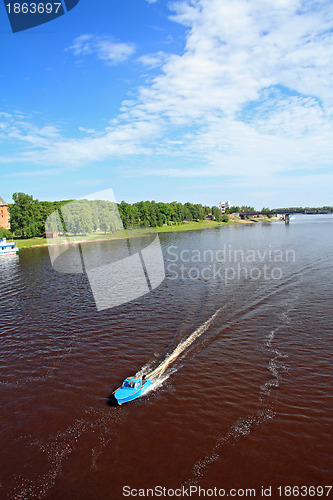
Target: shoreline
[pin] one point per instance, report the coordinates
(164, 229)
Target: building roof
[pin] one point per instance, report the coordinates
(2, 201)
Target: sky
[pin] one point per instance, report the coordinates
(190, 100)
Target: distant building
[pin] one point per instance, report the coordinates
(50, 234)
(224, 205)
(4, 214)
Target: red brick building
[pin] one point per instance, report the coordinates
(4, 214)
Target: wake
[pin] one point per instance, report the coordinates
(157, 374)
(162, 372)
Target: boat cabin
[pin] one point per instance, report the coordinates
(132, 388)
(132, 382)
(7, 248)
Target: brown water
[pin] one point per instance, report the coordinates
(247, 402)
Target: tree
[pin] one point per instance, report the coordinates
(199, 212)
(188, 211)
(234, 210)
(28, 216)
(125, 213)
(25, 216)
(267, 210)
(152, 214)
(5, 233)
(216, 212)
(104, 219)
(164, 212)
(78, 217)
(247, 208)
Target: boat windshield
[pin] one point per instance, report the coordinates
(129, 384)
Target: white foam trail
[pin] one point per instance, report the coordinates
(57, 449)
(157, 382)
(158, 372)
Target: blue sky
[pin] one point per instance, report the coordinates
(193, 100)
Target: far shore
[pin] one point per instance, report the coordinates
(187, 226)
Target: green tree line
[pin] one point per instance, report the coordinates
(155, 214)
(28, 215)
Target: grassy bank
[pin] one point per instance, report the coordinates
(31, 242)
(186, 226)
(36, 242)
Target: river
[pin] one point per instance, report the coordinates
(245, 404)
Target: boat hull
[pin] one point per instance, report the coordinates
(125, 395)
(7, 248)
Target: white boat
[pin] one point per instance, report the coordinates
(7, 248)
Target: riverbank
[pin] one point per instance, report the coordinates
(190, 226)
(186, 226)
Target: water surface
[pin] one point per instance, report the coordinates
(246, 404)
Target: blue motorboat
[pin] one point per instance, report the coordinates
(132, 388)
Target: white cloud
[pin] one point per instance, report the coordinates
(16, 128)
(235, 49)
(153, 60)
(46, 147)
(251, 94)
(103, 48)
